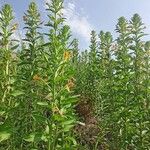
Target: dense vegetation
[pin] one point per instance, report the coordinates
(54, 97)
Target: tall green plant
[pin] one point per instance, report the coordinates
(7, 46)
(123, 87)
(92, 68)
(146, 70)
(137, 47)
(27, 85)
(60, 99)
(7, 72)
(82, 74)
(106, 94)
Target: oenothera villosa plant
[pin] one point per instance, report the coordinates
(8, 57)
(123, 88)
(59, 102)
(75, 49)
(146, 70)
(92, 68)
(27, 86)
(75, 62)
(106, 95)
(7, 29)
(140, 120)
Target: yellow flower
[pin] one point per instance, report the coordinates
(14, 27)
(36, 77)
(70, 84)
(58, 111)
(67, 88)
(67, 55)
(55, 109)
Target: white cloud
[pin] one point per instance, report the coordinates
(78, 23)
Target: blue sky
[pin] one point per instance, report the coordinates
(86, 15)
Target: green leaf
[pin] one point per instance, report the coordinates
(68, 122)
(17, 93)
(2, 113)
(5, 131)
(67, 128)
(144, 132)
(30, 138)
(39, 118)
(68, 125)
(35, 137)
(4, 135)
(42, 103)
(72, 139)
(14, 47)
(47, 129)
